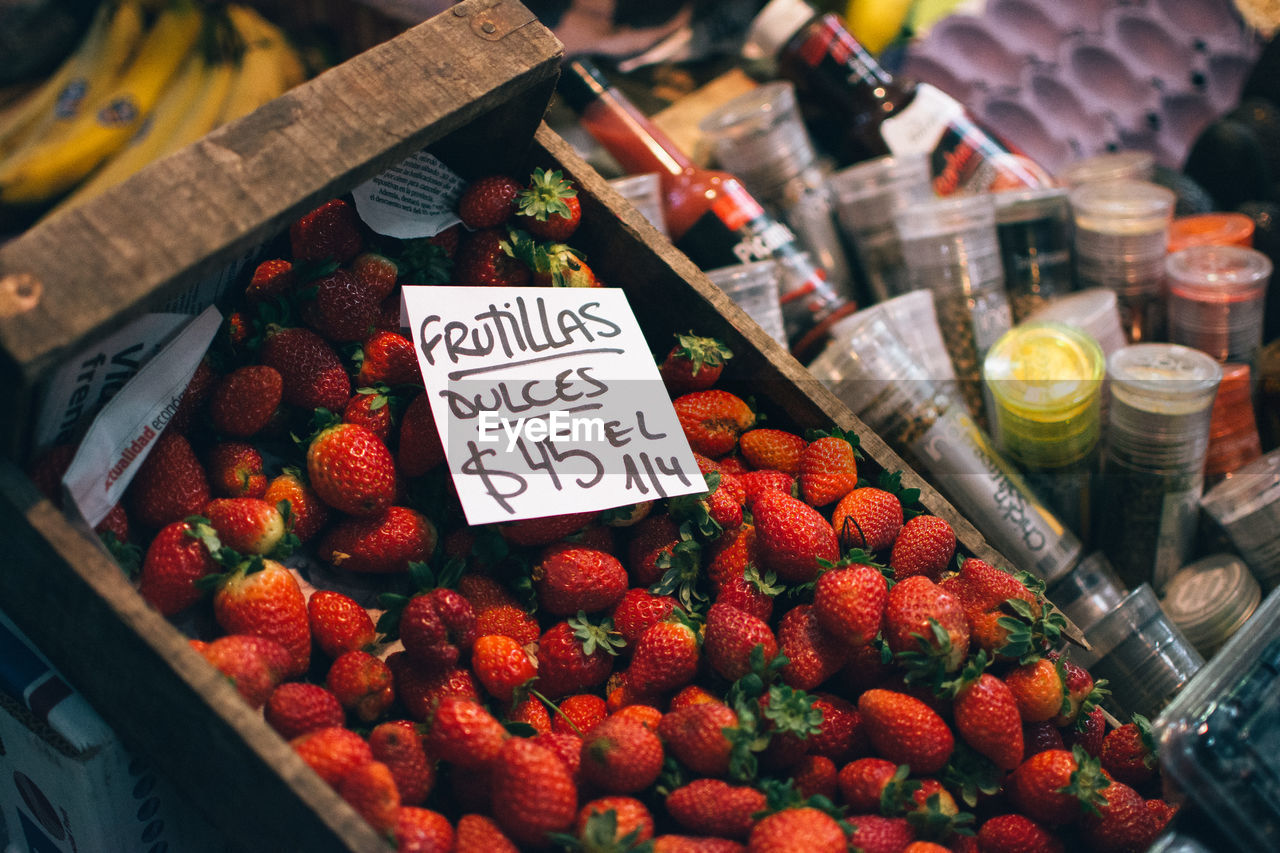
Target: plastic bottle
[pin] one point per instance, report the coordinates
(710, 215)
(858, 110)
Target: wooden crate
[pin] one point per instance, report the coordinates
(471, 85)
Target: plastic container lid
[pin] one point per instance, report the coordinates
(774, 26)
(1112, 166)
(1045, 380)
(1161, 398)
(1210, 599)
(1247, 506)
(1212, 273)
(1095, 311)
(1233, 425)
(1123, 209)
(1211, 229)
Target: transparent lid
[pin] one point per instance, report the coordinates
(1216, 229)
(774, 26)
(1211, 598)
(1094, 310)
(1123, 207)
(1112, 166)
(1218, 273)
(1163, 378)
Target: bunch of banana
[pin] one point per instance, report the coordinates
(136, 90)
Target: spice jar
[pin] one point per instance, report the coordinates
(1211, 599)
(1153, 467)
(1109, 166)
(1247, 507)
(1215, 299)
(1034, 229)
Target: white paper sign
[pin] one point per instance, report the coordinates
(416, 198)
(547, 399)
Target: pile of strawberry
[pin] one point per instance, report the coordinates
(794, 659)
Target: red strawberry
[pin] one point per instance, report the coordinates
(437, 627)
(621, 756)
(1056, 786)
(371, 790)
(802, 828)
(696, 736)
(579, 714)
(362, 683)
(986, 716)
(1080, 688)
(194, 397)
(295, 708)
(876, 834)
(573, 656)
(307, 513)
(828, 470)
(170, 484)
(637, 611)
(376, 272)
(1037, 737)
(333, 752)
(714, 807)
(1015, 833)
(387, 358)
(772, 449)
(1089, 732)
(313, 374)
(420, 689)
(369, 408)
(351, 470)
(244, 401)
(867, 518)
(665, 658)
(381, 544)
(484, 260)
(508, 620)
(653, 546)
(627, 815)
(1123, 822)
(792, 537)
(693, 364)
(235, 470)
(863, 780)
(255, 665)
(1128, 753)
(570, 579)
(247, 525)
(488, 201)
(984, 589)
(756, 483)
(812, 654)
(479, 834)
(815, 776)
(905, 730)
(849, 602)
(115, 524)
(533, 532)
(481, 590)
(921, 616)
(464, 733)
(418, 448)
(713, 420)
(419, 830)
(533, 713)
(502, 665)
(1038, 689)
(340, 307)
(179, 556)
(533, 792)
(262, 597)
(730, 635)
(669, 843)
(924, 546)
(271, 278)
(331, 232)
(842, 734)
(548, 207)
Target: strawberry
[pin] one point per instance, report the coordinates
(312, 372)
(331, 232)
(295, 708)
(333, 752)
(1128, 753)
(714, 807)
(828, 470)
(369, 408)
(873, 833)
(551, 264)
(569, 579)
(481, 590)
(772, 449)
(564, 745)
(654, 546)
(479, 834)
(842, 734)
(437, 627)
(730, 635)
(532, 713)
(464, 733)
(243, 402)
(419, 830)
(380, 544)
(665, 658)
(867, 518)
(176, 559)
(1038, 689)
(1089, 732)
(696, 736)
(985, 589)
(815, 776)
(618, 820)
(371, 790)
(756, 483)
(749, 591)
(271, 278)
(255, 665)
(420, 689)
(339, 307)
(362, 683)
(792, 537)
(812, 654)
(418, 446)
(1015, 833)
(713, 420)
(694, 694)
(1037, 737)
(387, 358)
(849, 602)
(533, 532)
(262, 597)
(502, 665)
(986, 717)
(803, 828)
(484, 260)
(921, 617)
(669, 843)
(634, 709)
(488, 201)
(579, 714)
(351, 470)
(533, 793)
(924, 546)
(307, 513)
(863, 780)
(338, 623)
(693, 364)
(548, 207)
(574, 655)
(905, 730)
(247, 525)
(1081, 694)
(169, 485)
(621, 756)
(508, 620)
(376, 272)
(194, 396)
(1057, 787)
(235, 470)
(637, 611)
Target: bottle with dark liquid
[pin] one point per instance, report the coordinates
(710, 215)
(860, 111)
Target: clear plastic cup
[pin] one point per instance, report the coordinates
(915, 319)
(1089, 591)
(1246, 506)
(760, 138)
(755, 287)
(645, 194)
(1216, 298)
(1094, 311)
(1034, 229)
(1112, 166)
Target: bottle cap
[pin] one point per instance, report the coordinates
(1112, 166)
(1210, 599)
(580, 83)
(1211, 229)
(774, 26)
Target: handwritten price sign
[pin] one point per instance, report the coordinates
(547, 399)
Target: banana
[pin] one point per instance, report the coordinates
(107, 46)
(56, 165)
(268, 67)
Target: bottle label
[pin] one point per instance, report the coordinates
(964, 157)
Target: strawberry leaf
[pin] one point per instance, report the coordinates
(969, 773)
(596, 636)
